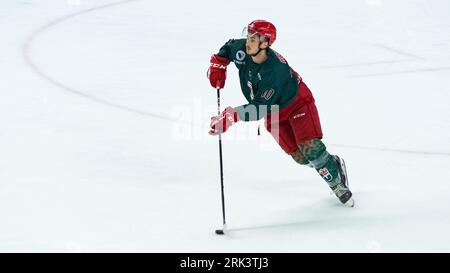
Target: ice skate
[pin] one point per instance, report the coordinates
(341, 190)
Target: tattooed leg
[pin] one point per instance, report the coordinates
(316, 153)
(299, 157)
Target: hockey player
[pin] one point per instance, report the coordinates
(277, 93)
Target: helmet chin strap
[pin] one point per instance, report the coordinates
(259, 50)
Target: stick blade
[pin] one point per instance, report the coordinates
(220, 232)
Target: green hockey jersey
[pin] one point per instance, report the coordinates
(268, 87)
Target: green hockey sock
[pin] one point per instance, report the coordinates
(316, 153)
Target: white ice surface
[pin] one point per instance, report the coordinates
(92, 160)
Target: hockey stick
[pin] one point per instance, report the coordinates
(221, 231)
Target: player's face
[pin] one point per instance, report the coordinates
(252, 44)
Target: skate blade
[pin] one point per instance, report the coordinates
(350, 203)
(344, 171)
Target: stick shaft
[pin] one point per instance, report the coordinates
(221, 161)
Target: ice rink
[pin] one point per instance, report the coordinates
(104, 114)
